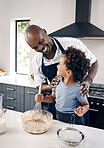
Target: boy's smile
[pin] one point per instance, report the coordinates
(62, 67)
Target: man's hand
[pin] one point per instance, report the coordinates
(86, 84)
(88, 80)
(55, 82)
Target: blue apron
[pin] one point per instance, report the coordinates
(50, 72)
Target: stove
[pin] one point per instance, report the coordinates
(95, 92)
(96, 102)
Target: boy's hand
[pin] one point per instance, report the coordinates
(39, 97)
(79, 111)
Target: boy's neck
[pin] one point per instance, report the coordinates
(69, 81)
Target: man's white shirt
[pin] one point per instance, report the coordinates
(65, 42)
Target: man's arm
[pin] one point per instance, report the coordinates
(46, 87)
(93, 71)
(89, 78)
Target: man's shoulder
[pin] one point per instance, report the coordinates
(66, 39)
(71, 42)
(37, 57)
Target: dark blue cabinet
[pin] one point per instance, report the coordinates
(19, 98)
(14, 97)
(30, 97)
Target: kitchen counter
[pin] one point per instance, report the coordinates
(16, 136)
(16, 79)
(25, 80)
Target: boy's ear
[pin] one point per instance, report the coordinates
(44, 31)
(69, 72)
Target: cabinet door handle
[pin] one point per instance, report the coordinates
(95, 110)
(10, 89)
(29, 92)
(9, 98)
(92, 103)
(10, 107)
(96, 97)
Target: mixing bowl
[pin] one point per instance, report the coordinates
(37, 122)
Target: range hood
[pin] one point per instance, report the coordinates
(82, 28)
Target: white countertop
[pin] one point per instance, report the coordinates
(16, 79)
(17, 137)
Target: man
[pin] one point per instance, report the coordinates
(48, 52)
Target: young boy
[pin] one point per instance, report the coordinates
(72, 69)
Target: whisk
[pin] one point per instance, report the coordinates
(38, 106)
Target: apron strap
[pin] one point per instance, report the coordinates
(60, 46)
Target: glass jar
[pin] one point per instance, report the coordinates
(2, 119)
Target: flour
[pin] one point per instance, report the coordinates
(36, 123)
(37, 126)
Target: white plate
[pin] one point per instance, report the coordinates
(2, 74)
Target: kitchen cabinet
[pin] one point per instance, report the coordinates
(96, 113)
(96, 102)
(19, 98)
(13, 97)
(29, 97)
(0, 88)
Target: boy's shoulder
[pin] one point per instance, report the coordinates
(79, 87)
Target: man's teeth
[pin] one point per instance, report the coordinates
(45, 49)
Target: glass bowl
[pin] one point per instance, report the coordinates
(37, 122)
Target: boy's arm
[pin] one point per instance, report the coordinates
(48, 99)
(81, 110)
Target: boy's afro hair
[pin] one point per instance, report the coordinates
(77, 63)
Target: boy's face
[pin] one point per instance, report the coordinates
(62, 67)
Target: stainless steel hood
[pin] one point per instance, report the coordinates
(82, 28)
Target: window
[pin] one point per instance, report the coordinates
(22, 56)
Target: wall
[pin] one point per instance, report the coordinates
(97, 46)
(4, 35)
(41, 12)
(51, 15)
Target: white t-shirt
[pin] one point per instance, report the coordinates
(65, 42)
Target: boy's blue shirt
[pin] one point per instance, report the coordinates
(68, 97)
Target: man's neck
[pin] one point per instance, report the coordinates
(51, 55)
(53, 51)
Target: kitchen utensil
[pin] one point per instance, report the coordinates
(38, 105)
(1, 107)
(35, 125)
(2, 119)
(70, 135)
(37, 121)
